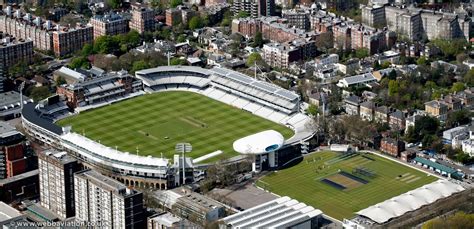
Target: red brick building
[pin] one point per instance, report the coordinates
(392, 146)
(15, 159)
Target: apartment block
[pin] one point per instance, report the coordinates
(109, 24)
(45, 34)
(173, 16)
(373, 15)
(255, 8)
(392, 146)
(69, 40)
(107, 202)
(281, 55)
(143, 18)
(56, 171)
(297, 18)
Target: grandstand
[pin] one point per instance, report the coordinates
(105, 88)
(236, 89)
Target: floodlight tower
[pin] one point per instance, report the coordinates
(183, 148)
(22, 86)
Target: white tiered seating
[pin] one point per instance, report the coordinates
(252, 107)
(264, 112)
(240, 102)
(216, 94)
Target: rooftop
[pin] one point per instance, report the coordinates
(7, 212)
(11, 98)
(7, 130)
(104, 182)
(410, 201)
(435, 165)
(281, 212)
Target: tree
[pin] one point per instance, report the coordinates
(460, 220)
(426, 125)
(79, 62)
(422, 61)
(87, 50)
(175, 3)
(361, 53)
(243, 14)
(312, 110)
(258, 40)
(181, 38)
(60, 81)
(139, 65)
(457, 87)
(114, 4)
(469, 78)
(177, 61)
(195, 23)
(254, 58)
(40, 93)
(393, 87)
(410, 135)
(459, 117)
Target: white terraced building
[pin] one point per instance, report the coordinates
(413, 200)
(283, 212)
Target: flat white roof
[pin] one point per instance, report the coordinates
(73, 74)
(262, 142)
(410, 201)
(281, 212)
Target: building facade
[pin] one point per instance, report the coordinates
(56, 171)
(107, 202)
(392, 146)
(108, 24)
(143, 18)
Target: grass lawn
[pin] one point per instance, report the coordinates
(156, 122)
(303, 182)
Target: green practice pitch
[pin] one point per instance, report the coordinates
(342, 196)
(156, 122)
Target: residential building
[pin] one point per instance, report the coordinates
(352, 105)
(246, 26)
(325, 72)
(366, 111)
(450, 134)
(255, 8)
(453, 103)
(466, 97)
(342, 36)
(289, 216)
(45, 35)
(12, 151)
(327, 59)
(298, 18)
(373, 40)
(249, 6)
(13, 51)
(350, 66)
(282, 55)
(417, 24)
(437, 109)
(107, 202)
(392, 146)
(408, 155)
(373, 16)
(56, 170)
(357, 80)
(468, 145)
(397, 120)
(381, 114)
(173, 16)
(109, 24)
(143, 18)
(70, 40)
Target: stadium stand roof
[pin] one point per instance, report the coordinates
(29, 113)
(410, 201)
(173, 68)
(279, 213)
(110, 154)
(262, 142)
(261, 85)
(435, 165)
